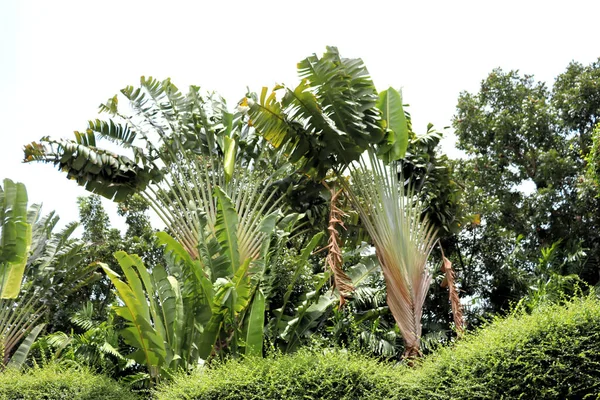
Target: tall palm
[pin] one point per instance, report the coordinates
(326, 123)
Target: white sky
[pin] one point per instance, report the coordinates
(59, 59)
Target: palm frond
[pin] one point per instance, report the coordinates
(327, 120)
(99, 171)
(403, 239)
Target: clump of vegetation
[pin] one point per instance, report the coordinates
(303, 375)
(56, 382)
(550, 354)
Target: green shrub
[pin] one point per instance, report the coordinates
(55, 382)
(551, 354)
(304, 375)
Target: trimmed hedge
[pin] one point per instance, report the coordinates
(53, 382)
(554, 353)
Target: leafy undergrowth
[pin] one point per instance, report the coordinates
(551, 354)
(54, 382)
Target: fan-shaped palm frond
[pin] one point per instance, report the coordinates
(183, 147)
(403, 239)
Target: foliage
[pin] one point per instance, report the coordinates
(593, 162)
(15, 238)
(576, 97)
(402, 239)
(54, 382)
(526, 149)
(549, 354)
(97, 348)
(303, 375)
(53, 270)
(194, 309)
(102, 241)
(183, 147)
(331, 118)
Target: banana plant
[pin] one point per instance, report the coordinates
(193, 309)
(49, 270)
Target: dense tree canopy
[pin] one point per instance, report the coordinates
(526, 151)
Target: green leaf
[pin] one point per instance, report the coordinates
(178, 254)
(15, 239)
(256, 324)
(361, 271)
(226, 228)
(394, 120)
(140, 332)
(300, 264)
(18, 359)
(230, 152)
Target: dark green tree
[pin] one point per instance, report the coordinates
(526, 148)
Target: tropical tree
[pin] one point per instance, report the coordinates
(325, 124)
(183, 146)
(195, 308)
(525, 185)
(403, 240)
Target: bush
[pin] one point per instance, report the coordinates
(550, 354)
(304, 375)
(56, 382)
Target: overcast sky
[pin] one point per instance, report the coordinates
(60, 59)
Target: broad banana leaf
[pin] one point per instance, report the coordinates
(18, 359)
(256, 325)
(226, 229)
(232, 297)
(394, 120)
(363, 270)
(141, 332)
(15, 238)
